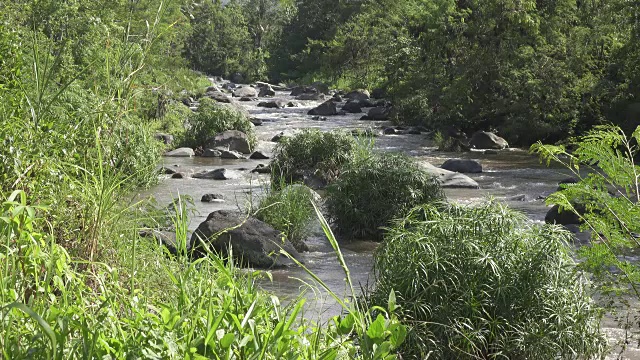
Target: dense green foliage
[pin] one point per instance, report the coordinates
(374, 189)
(610, 194)
(312, 152)
(213, 118)
(484, 283)
(289, 210)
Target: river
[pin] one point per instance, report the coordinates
(513, 175)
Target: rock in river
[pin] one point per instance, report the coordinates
(217, 174)
(254, 243)
(181, 152)
(487, 140)
(450, 179)
(462, 166)
(233, 140)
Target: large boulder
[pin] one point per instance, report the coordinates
(218, 96)
(245, 91)
(217, 174)
(237, 78)
(321, 87)
(358, 95)
(327, 108)
(232, 140)
(273, 104)
(564, 217)
(379, 113)
(450, 179)
(253, 242)
(462, 166)
(310, 96)
(378, 93)
(181, 152)
(298, 90)
(266, 90)
(487, 140)
(352, 107)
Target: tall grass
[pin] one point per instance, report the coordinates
(485, 283)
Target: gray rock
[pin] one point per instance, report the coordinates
(262, 169)
(229, 154)
(273, 104)
(278, 137)
(487, 140)
(337, 98)
(219, 97)
(232, 140)
(319, 118)
(213, 88)
(366, 103)
(266, 91)
(245, 91)
(327, 108)
(298, 90)
(229, 86)
(181, 152)
(217, 174)
(521, 197)
(179, 175)
(352, 107)
(462, 166)
(450, 179)
(320, 87)
(166, 171)
(313, 96)
(379, 113)
(358, 95)
(237, 78)
(212, 153)
(254, 243)
(256, 121)
(389, 131)
(292, 104)
(166, 238)
(165, 138)
(247, 99)
(378, 93)
(259, 155)
(212, 198)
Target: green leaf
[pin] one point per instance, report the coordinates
(227, 340)
(346, 324)
(376, 329)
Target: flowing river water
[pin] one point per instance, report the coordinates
(512, 175)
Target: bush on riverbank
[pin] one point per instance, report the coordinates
(312, 152)
(290, 211)
(483, 282)
(213, 118)
(374, 189)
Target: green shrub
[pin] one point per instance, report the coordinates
(312, 151)
(213, 118)
(374, 189)
(289, 210)
(484, 282)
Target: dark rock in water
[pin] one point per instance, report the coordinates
(233, 140)
(259, 155)
(521, 197)
(450, 179)
(237, 78)
(382, 103)
(579, 236)
(487, 140)
(167, 171)
(212, 88)
(462, 166)
(378, 93)
(337, 98)
(245, 91)
(366, 103)
(211, 153)
(319, 118)
(246, 98)
(256, 121)
(212, 198)
(342, 113)
(262, 169)
(253, 242)
(217, 174)
(266, 91)
(352, 107)
(298, 90)
(179, 176)
(414, 131)
(181, 152)
(389, 131)
(327, 108)
(321, 87)
(292, 104)
(490, 152)
(278, 137)
(365, 133)
(358, 95)
(378, 113)
(564, 217)
(218, 96)
(229, 154)
(229, 86)
(165, 138)
(273, 104)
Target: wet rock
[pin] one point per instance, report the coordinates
(450, 179)
(378, 113)
(179, 175)
(229, 154)
(266, 90)
(292, 104)
(256, 121)
(218, 174)
(352, 107)
(262, 169)
(320, 87)
(299, 90)
(246, 99)
(254, 243)
(273, 104)
(490, 152)
(237, 78)
(358, 95)
(181, 152)
(366, 103)
(389, 131)
(219, 97)
(213, 88)
(229, 86)
(212, 153)
(259, 155)
(278, 137)
(165, 138)
(564, 217)
(167, 171)
(310, 97)
(462, 166)
(245, 91)
(319, 118)
(487, 140)
(521, 197)
(233, 140)
(337, 98)
(212, 198)
(378, 93)
(327, 108)
(414, 131)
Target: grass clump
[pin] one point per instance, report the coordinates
(485, 283)
(290, 211)
(312, 152)
(213, 118)
(374, 189)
